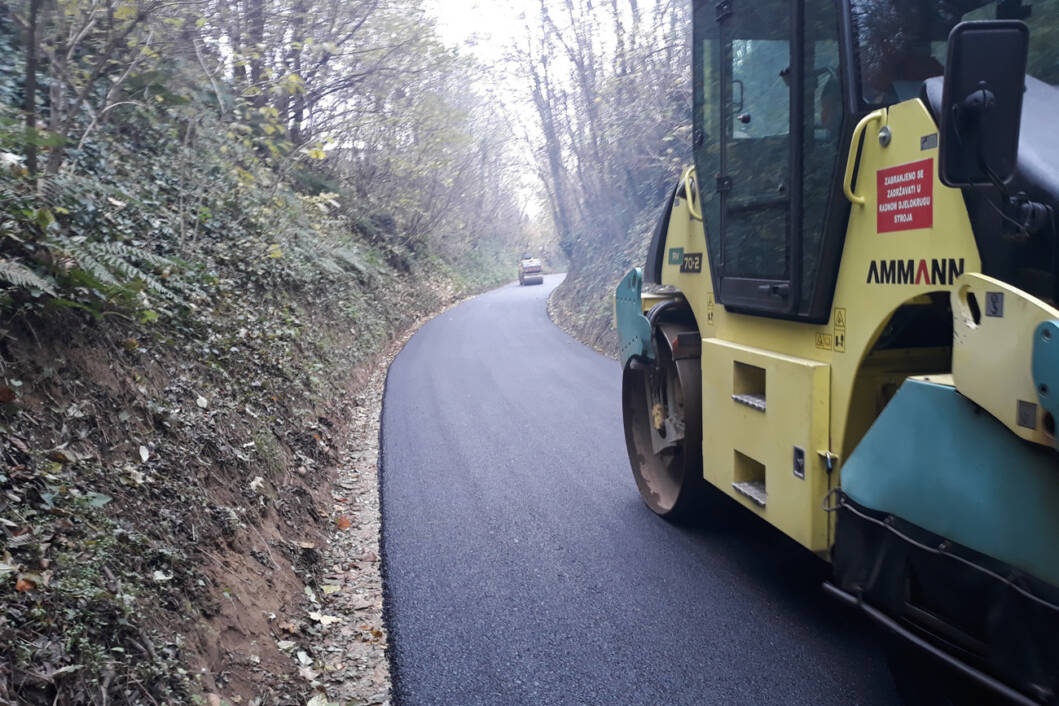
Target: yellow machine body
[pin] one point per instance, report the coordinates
(783, 402)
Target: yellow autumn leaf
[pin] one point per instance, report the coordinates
(125, 12)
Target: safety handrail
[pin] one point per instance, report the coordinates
(851, 159)
(687, 179)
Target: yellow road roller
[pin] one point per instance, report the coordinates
(530, 270)
(847, 318)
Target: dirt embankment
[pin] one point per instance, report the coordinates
(583, 305)
(171, 526)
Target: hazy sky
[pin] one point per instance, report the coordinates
(494, 23)
(491, 26)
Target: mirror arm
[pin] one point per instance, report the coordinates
(969, 114)
(1020, 216)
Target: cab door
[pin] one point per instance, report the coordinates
(754, 184)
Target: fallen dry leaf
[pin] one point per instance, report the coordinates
(24, 584)
(367, 556)
(324, 620)
(15, 441)
(343, 522)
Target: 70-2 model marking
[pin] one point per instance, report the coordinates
(692, 262)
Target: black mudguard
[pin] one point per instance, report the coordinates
(991, 617)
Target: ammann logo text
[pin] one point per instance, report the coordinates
(943, 271)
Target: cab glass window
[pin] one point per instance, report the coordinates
(1042, 17)
(902, 42)
(821, 132)
(1044, 41)
(707, 118)
(898, 45)
(760, 91)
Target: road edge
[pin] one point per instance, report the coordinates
(393, 661)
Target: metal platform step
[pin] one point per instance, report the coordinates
(755, 401)
(755, 490)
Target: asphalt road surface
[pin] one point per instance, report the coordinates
(521, 566)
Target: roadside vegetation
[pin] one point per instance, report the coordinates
(610, 90)
(213, 215)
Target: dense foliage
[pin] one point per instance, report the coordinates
(610, 84)
(145, 141)
(210, 214)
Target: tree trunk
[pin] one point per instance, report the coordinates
(235, 36)
(33, 45)
(293, 111)
(255, 24)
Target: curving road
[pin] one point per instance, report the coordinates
(521, 566)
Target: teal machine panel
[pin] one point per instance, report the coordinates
(937, 460)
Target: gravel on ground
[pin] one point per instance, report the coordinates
(350, 664)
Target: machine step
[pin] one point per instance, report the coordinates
(755, 490)
(754, 401)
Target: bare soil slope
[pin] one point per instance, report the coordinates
(166, 494)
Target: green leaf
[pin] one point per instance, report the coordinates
(44, 217)
(97, 500)
(61, 303)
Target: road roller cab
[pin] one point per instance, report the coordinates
(846, 320)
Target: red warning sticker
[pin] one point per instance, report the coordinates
(905, 196)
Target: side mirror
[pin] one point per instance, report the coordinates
(981, 105)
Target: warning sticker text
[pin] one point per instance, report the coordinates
(905, 196)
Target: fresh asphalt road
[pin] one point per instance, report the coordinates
(521, 566)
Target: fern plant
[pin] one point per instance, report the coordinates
(18, 275)
(116, 264)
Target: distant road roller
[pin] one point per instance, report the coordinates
(530, 270)
(850, 323)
